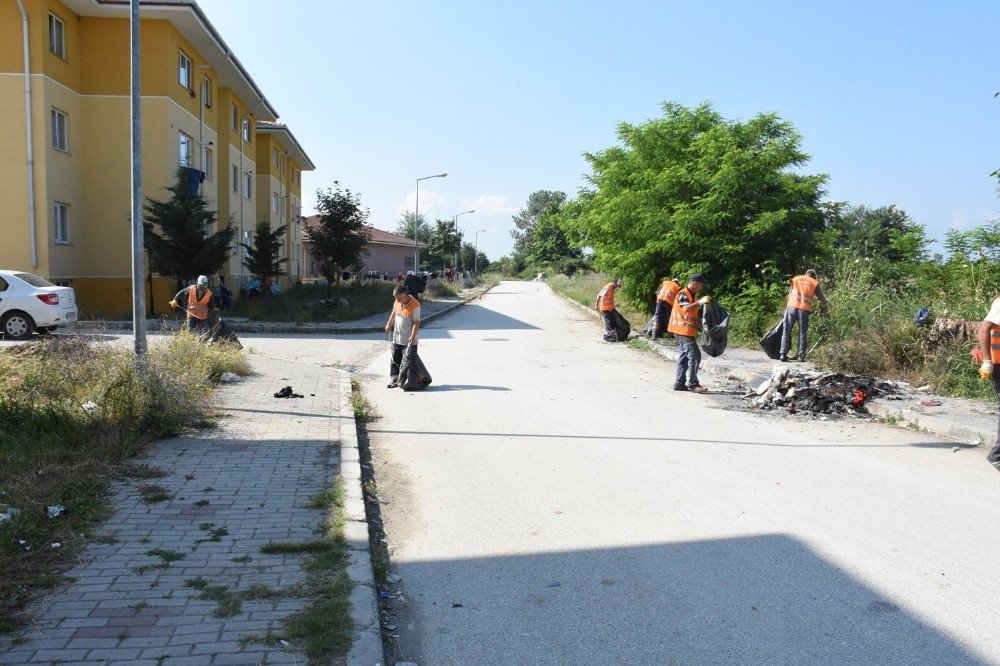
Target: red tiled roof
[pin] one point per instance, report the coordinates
(378, 235)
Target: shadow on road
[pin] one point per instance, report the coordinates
(746, 600)
(462, 387)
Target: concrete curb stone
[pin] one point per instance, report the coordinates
(957, 420)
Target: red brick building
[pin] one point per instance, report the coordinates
(387, 252)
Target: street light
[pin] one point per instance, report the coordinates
(416, 223)
(475, 257)
(454, 219)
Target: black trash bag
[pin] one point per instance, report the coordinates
(217, 330)
(714, 329)
(413, 375)
(621, 326)
(771, 342)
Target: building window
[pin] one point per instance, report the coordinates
(185, 152)
(57, 36)
(298, 179)
(186, 71)
(206, 93)
(236, 118)
(408, 262)
(274, 157)
(274, 202)
(247, 185)
(236, 179)
(60, 213)
(60, 141)
(246, 130)
(207, 163)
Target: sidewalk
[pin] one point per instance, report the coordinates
(233, 489)
(430, 310)
(968, 421)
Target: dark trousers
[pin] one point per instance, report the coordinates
(661, 318)
(397, 358)
(994, 454)
(793, 316)
(688, 361)
(609, 323)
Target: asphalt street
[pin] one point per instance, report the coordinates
(551, 501)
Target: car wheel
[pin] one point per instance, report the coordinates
(17, 325)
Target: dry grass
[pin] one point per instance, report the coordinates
(71, 416)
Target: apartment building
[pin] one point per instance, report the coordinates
(65, 157)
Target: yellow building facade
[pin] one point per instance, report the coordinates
(65, 159)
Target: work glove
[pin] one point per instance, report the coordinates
(986, 370)
(174, 305)
(704, 300)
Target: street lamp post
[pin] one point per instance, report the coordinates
(475, 257)
(416, 222)
(458, 254)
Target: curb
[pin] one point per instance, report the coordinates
(269, 327)
(366, 648)
(892, 411)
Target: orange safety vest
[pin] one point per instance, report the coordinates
(684, 323)
(802, 293)
(995, 346)
(668, 292)
(195, 308)
(607, 296)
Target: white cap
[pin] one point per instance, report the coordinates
(202, 281)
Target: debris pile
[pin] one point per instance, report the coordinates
(287, 392)
(818, 392)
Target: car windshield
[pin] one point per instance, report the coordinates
(33, 280)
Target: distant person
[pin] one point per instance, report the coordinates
(684, 321)
(197, 301)
(605, 303)
(800, 299)
(403, 324)
(664, 305)
(989, 347)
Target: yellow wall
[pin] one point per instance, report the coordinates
(112, 297)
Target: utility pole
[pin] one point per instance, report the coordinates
(138, 255)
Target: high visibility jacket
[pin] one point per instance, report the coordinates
(681, 322)
(802, 293)
(195, 308)
(995, 346)
(607, 296)
(668, 292)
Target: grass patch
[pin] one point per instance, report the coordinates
(584, 287)
(55, 451)
(301, 304)
(151, 493)
(363, 410)
(215, 533)
(293, 547)
(166, 556)
(242, 560)
(142, 471)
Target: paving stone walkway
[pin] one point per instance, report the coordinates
(234, 488)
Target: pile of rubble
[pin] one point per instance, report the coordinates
(819, 392)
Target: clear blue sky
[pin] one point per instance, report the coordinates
(894, 98)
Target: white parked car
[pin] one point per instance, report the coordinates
(29, 303)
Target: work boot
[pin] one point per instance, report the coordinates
(697, 388)
(680, 387)
(783, 358)
(801, 358)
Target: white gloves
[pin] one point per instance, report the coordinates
(704, 300)
(986, 369)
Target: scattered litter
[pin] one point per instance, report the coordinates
(924, 389)
(56, 544)
(90, 407)
(287, 392)
(229, 377)
(383, 594)
(393, 579)
(283, 642)
(931, 403)
(391, 627)
(731, 378)
(955, 449)
(456, 605)
(818, 392)
(554, 584)
(8, 513)
(55, 510)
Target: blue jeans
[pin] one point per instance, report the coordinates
(690, 359)
(793, 315)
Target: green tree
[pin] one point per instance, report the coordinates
(885, 232)
(262, 257)
(468, 255)
(541, 204)
(443, 244)
(692, 191)
(404, 227)
(341, 238)
(178, 234)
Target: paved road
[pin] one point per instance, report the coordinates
(553, 503)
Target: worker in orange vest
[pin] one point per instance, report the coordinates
(197, 301)
(605, 303)
(989, 347)
(664, 305)
(684, 322)
(805, 289)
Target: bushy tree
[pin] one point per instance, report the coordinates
(177, 234)
(341, 238)
(541, 204)
(693, 191)
(262, 257)
(444, 243)
(469, 258)
(404, 227)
